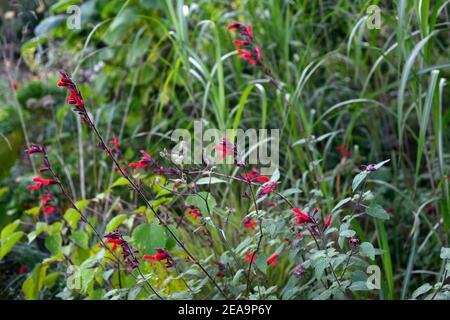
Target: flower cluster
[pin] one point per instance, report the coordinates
(343, 150)
(128, 253)
(41, 182)
(75, 97)
(251, 53)
(255, 176)
(145, 161)
(249, 223)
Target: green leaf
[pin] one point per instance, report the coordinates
(33, 211)
(53, 243)
(421, 290)
(382, 163)
(9, 243)
(82, 204)
(207, 181)
(366, 249)
(51, 279)
(81, 239)
(377, 211)
(40, 227)
(35, 282)
(120, 182)
(359, 178)
(8, 230)
(116, 222)
(72, 217)
(147, 237)
(445, 253)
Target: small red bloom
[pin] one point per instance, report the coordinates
(327, 223)
(254, 176)
(219, 275)
(160, 255)
(240, 43)
(250, 257)
(45, 182)
(249, 223)
(15, 86)
(195, 213)
(22, 269)
(250, 33)
(48, 210)
(343, 150)
(34, 148)
(235, 26)
(300, 216)
(144, 162)
(34, 187)
(115, 243)
(389, 210)
(225, 149)
(269, 188)
(272, 259)
(45, 199)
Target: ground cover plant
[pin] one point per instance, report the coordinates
(101, 102)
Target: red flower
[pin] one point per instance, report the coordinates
(250, 258)
(115, 243)
(300, 216)
(34, 187)
(327, 223)
(225, 149)
(15, 86)
(272, 259)
(22, 269)
(269, 188)
(45, 199)
(343, 150)
(45, 182)
(160, 255)
(195, 213)
(48, 210)
(240, 43)
(74, 95)
(144, 162)
(236, 26)
(254, 176)
(249, 223)
(389, 210)
(34, 148)
(250, 33)
(252, 56)
(219, 275)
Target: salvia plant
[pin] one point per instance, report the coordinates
(160, 230)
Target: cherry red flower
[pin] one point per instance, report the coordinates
(15, 86)
(48, 210)
(160, 255)
(250, 257)
(22, 269)
(253, 55)
(272, 259)
(145, 161)
(225, 149)
(195, 213)
(254, 176)
(300, 216)
(45, 199)
(271, 187)
(34, 148)
(343, 150)
(389, 210)
(249, 223)
(115, 243)
(327, 223)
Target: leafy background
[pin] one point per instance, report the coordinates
(147, 67)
